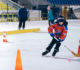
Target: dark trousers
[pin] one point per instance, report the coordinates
(21, 24)
(50, 22)
(54, 41)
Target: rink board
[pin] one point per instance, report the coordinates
(21, 31)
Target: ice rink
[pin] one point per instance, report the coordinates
(32, 45)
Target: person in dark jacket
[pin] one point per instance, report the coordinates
(22, 15)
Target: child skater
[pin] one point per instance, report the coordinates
(58, 36)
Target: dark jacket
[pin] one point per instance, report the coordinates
(23, 14)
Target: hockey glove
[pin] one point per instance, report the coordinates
(60, 40)
(52, 35)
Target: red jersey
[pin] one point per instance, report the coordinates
(59, 31)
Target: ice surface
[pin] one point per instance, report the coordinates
(33, 44)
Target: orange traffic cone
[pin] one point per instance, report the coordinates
(79, 48)
(18, 61)
(4, 37)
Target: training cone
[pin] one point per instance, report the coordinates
(4, 37)
(18, 65)
(79, 48)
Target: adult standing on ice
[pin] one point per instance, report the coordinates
(50, 15)
(23, 16)
(58, 36)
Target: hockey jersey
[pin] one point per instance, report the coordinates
(59, 31)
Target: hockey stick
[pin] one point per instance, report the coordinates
(77, 55)
(68, 48)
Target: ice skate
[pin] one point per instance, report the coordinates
(45, 53)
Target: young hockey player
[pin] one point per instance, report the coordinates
(50, 16)
(58, 36)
